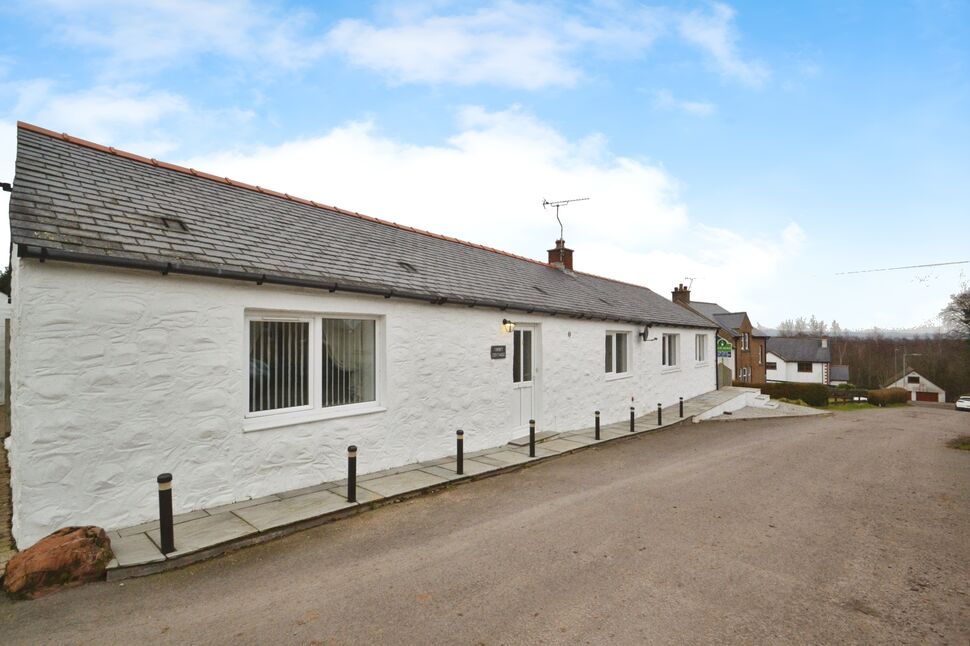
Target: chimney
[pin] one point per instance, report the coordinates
(681, 295)
(825, 342)
(561, 256)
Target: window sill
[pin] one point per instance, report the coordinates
(702, 364)
(613, 376)
(268, 422)
(670, 369)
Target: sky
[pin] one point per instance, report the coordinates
(758, 150)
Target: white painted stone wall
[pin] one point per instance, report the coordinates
(120, 375)
(788, 371)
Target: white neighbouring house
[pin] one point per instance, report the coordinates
(798, 359)
(921, 389)
(165, 320)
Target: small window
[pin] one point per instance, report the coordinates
(804, 366)
(745, 341)
(912, 379)
(761, 354)
(700, 347)
(744, 373)
(669, 349)
(348, 362)
(617, 349)
(279, 376)
(771, 365)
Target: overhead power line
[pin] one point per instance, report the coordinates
(934, 264)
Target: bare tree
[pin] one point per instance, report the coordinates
(786, 328)
(956, 315)
(801, 327)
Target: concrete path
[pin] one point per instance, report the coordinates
(783, 409)
(206, 533)
(833, 530)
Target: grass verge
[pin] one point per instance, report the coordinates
(962, 443)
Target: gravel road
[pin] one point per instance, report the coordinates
(845, 529)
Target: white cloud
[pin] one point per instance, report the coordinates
(716, 34)
(168, 32)
(487, 182)
(665, 100)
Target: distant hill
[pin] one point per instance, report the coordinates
(889, 333)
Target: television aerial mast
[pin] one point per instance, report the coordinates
(546, 203)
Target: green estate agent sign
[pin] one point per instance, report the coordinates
(723, 348)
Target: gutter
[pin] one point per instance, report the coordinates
(43, 254)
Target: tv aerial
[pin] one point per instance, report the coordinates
(547, 203)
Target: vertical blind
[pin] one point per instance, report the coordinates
(348, 361)
(278, 364)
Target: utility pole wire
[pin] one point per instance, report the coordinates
(935, 264)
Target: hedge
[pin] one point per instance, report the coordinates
(811, 394)
(886, 396)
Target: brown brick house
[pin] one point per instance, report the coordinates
(749, 344)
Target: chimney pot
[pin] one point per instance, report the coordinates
(681, 295)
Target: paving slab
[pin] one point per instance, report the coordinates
(394, 485)
(504, 458)
(540, 437)
(135, 549)
(562, 444)
(176, 520)
(472, 467)
(580, 438)
(293, 510)
(206, 532)
(541, 450)
(441, 472)
(302, 491)
(363, 495)
(242, 504)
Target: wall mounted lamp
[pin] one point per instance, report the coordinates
(507, 326)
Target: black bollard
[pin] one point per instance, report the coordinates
(461, 452)
(532, 438)
(660, 415)
(597, 431)
(633, 416)
(351, 473)
(166, 527)
(681, 406)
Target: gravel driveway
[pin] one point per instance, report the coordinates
(845, 529)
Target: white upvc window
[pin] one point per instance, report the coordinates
(700, 348)
(744, 373)
(670, 349)
(617, 353)
(745, 341)
(302, 367)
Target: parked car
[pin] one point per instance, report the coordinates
(963, 403)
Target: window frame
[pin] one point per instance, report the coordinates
(771, 365)
(314, 411)
(610, 338)
(700, 348)
(811, 367)
(912, 380)
(670, 350)
(745, 341)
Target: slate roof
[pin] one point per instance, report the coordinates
(799, 349)
(730, 321)
(839, 373)
(76, 200)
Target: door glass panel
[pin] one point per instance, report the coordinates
(609, 353)
(517, 356)
(527, 355)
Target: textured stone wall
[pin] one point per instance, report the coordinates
(119, 375)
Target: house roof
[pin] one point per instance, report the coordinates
(909, 371)
(730, 321)
(79, 201)
(799, 349)
(839, 373)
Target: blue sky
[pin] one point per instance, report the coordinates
(760, 148)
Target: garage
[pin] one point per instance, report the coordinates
(927, 397)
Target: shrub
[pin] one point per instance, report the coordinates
(811, 394)
(886, 396)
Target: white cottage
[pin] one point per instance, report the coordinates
(169, 320)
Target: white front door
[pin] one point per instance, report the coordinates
(523, 375)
